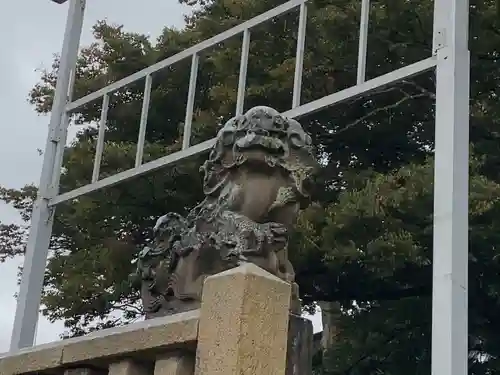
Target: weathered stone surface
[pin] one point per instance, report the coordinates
(133, 341)
(256, 179)
(300, 346)
(243, 323)
(128, 367)
(177, 363)
(83, 371)
(41, 357)
(155, 334)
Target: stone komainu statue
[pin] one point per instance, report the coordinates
(256, 180)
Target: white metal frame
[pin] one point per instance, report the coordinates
(451, 189)
(451, 60)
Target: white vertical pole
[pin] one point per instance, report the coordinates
(299, 56)
(451, 182)
(28, 303)
(242, 81)
(363, 41)
(100, 138)
(61, 145)
(144, 121)
(186, 141)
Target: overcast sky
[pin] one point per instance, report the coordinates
(30, 33)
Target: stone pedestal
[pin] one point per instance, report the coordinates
(243, 323)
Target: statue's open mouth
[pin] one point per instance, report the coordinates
(253, 141)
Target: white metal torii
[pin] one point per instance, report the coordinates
(450, 59)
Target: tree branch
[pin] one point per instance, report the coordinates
(405, 98)
(422, 89)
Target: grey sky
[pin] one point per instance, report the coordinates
(30, 33)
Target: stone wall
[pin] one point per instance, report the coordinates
(242, 327)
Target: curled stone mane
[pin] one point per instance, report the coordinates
(256, 179)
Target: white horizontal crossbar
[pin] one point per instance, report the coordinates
(311, 107)
(363, 88)
(134, 172)
(278, 11)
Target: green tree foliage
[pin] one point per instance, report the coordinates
(382, 236)
(366, 243)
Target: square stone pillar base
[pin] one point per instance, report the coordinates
(243, 323)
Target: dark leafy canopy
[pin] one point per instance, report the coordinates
(368, 237)
(382, 236)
